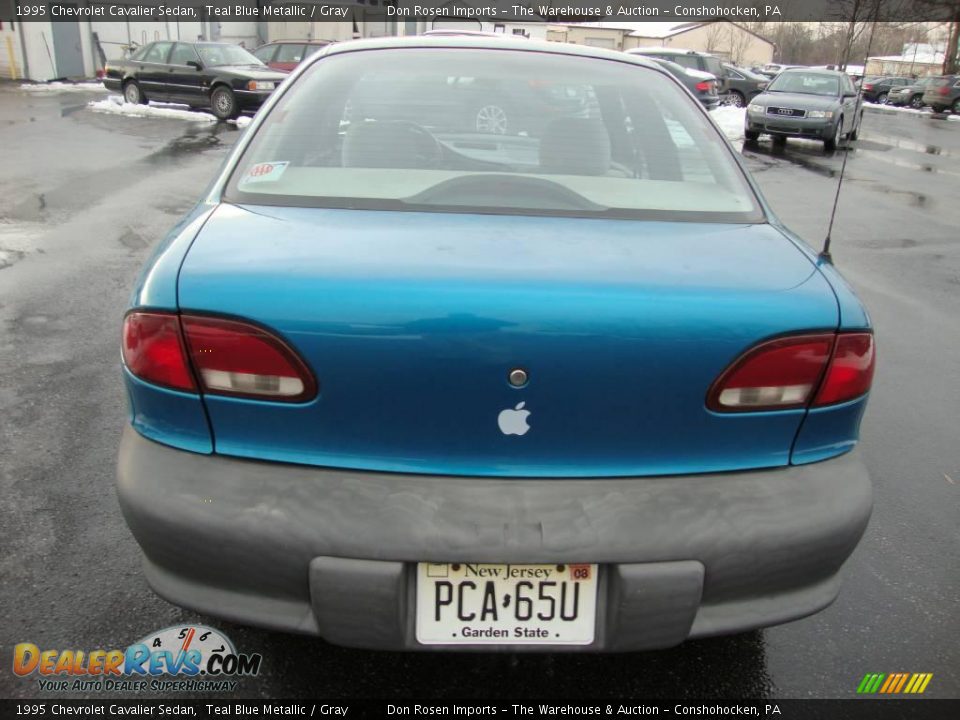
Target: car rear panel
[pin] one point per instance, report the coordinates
(412, 322)
(171, 417)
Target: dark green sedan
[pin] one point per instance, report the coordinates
(223, 77)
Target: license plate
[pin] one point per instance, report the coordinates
(489, 604)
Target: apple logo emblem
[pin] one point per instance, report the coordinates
(514, 422)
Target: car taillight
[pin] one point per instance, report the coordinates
(850, 372)
(788, 373)
(153, 350)
(944, 90)
(704, 85)
(228, 357)
(236, 358)
(868, 86)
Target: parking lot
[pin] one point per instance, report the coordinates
(83, 198)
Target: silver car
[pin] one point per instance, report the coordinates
(820, 104)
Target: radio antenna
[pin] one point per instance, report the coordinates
(825, 252)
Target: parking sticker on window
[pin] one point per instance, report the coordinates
(265, 172)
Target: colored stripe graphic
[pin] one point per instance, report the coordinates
(891, 680)
(894, 683)
(870, 683)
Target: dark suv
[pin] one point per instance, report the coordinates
(942, 93)
(695, 81)
(911, 94)
(691, 59)
(876, 89)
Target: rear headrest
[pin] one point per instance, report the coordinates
(575, 146)
(379, 144)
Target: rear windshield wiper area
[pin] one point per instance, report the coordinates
(503, 190)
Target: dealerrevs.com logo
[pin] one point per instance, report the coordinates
(181, 658)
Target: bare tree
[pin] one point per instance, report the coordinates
(951, 63)
(857, 13)
(715, 33)
(947, 10)
(739, 40)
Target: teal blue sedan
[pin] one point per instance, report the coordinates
(400, 381)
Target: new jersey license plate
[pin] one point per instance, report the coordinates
(490, 604)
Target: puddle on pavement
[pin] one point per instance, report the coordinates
(17, 240)
(921, 166)
(68, 110)
(799, 155)
(46, 206)
(875, 146)
(915, 199)
(195, 140)
(886, 142)
(9, 257)
(809, 159)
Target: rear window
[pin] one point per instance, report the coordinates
(265, 54)
(687, 61)
(290, 53)
(713, 66)
(500, 131)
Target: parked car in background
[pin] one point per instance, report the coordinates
(465, 32)
(223, 77)
(412, 389)
(911, 94)
(471, 103)
(943, 93)
(287, 54)
(877, 89)
(742, 85)
(856, 74)
(703, 85)
(854, 71)
(819, 104)
(771, 70)
(691, 59)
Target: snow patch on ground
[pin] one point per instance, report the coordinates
(17, 240)
(731, 120)
(903, 109)
(115, 105)
(58, 86)
(241, 122)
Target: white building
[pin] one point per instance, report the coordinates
(44, 50)
(917, 59)
(727, 40)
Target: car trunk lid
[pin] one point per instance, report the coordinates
(412, 323)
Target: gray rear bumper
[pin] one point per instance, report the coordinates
(331, 552)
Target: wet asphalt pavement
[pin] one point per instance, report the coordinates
(84, 196)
